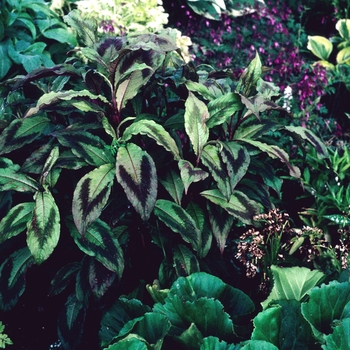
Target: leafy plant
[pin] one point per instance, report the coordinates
(154, 150)
(4, 339)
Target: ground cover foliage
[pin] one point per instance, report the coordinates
(153, 201)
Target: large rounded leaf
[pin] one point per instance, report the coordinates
(320, 46)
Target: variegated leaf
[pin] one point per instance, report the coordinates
(87, 146)
(16, 220)
(239, 205)
(46, 175)
(99, 243)
(12, 277)
(200, 89)
(251, 129)
(211, 158)
(179, 221)
(221, 223)
(64, 277)
(185, 262)
(173, 184)
(91, 195)
(196, 116)
(154, 131)
(22, 131)
(237, 159)
(68, 160)
(190, 174)
(43, 231)
(136, 172)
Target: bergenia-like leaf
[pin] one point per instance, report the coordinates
(91, 195)
(190, 174)
(136, 172)
(179, 221)
(239, 205)
(196, 116)
(154, 131)
(21, 132)
(43, 231)
(12, 277)
(16, 220)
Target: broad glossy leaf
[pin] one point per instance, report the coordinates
(239, 205)
(309, 136)
(190, 174)
(325, 305)
(190, 338)
(292, 283)
(154, 131)
(64, 277)
(214, 343)
(185, 262)
(99, 243)
(222, 108)
(343, 56)
(221, 223)
(16, 220)
(91, 195)
(43, 231)
(258, 345)
(173, 184)
(320, 46)
(136, 172)
(196, 116)
(343, 27)
(87, 146)
(339, 339)
(5, 62)
(21, 132)
(211, 9)
(71, 323)
(179, 221)
(12, 277)
(131, 342)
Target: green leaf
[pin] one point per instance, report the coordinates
(91, 195)
(343, 27)
(15, 221)
(222, 108)
(99, 243)
(214, 343)
(210, 9)
(173, 184)
(71, 323)
(154, 131)
(61, 35)
(343, 56)
(258, 345)
(200, 89)
(136, 172)
(5, 62)
(63, 278)
(320, 46)
(47, 169)
(43, 231)
(339, 339)
(179, 221)
(190, 174)
(338, 219)
(239, 205)
(292, 283)
(21, 132)
(12, 277)
(325, 305)
(185, 262)
(196, 116)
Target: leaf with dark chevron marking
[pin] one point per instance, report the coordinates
(91, 195)
(136, 172)
(190, 174)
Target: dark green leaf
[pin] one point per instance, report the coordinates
(5, 62)
(214, 343)
(339, 339)
(173, 184)
(190, 174)
(185, 262)
(63, 277)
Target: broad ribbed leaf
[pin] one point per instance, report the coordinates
(190, 174)
(131, 342)
(340, 337)
(237, 160)
(179, 221)
(173, 184)
(239, 205)
(87, 146)
(44, 229)
(222, 108)
(214, 343)
(185, 262)
(64, 277)
(154, 131)
(12, 277)
(320, 46)
(276, 152)
(196, 116)
(91, 195)
(16, 220)
(71, 323)
(211, 158)
(221, 223)
(21, 132)
(136, 172)
(292, 283)
(309, 136)
(99, 243)
(73, 96)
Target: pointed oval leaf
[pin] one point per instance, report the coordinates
(154, 131)
(196, 116)
(343, 56)
(320, 46)
(185, 261)
(190, 174)
(173, 184)
(136, 172)
(91, 195)
(63, 278)
(178, 220)
(43, 231)
(343, 27)
(49, 163)
(250, 77)
(16, 220)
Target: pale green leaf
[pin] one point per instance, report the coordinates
(343, 56)
(320, 46)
